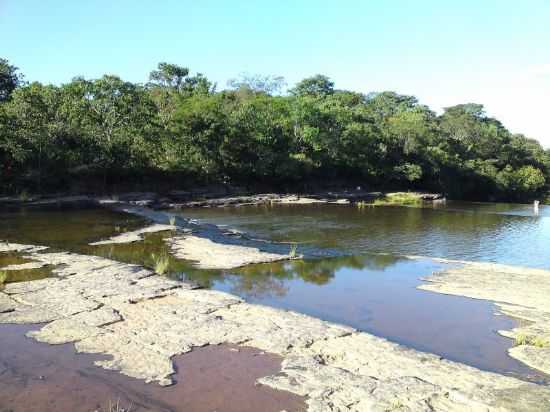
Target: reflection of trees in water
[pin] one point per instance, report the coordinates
(270, 279)
(260, 280)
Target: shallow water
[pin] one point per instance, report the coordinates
(502, 233)
(369, 291)
(37, 377)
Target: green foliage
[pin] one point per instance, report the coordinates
(161, 263)
(399, 199)
(3, 277)
(538, 341)
(177, 125)
(9, 79)
(318, 85)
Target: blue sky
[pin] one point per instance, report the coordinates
(495, 52)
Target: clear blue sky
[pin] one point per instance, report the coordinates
(495, 52)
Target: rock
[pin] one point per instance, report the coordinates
(212, 255)
(134, 236)
(24, 266)
(140, 321)
(521, 293)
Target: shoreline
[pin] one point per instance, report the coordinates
(183, 199)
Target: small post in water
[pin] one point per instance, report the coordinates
(536, 207)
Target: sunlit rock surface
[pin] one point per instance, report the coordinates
(134, 236)
(522, 293)
(141, 320)
(208, 254)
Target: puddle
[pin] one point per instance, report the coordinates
(36, 377)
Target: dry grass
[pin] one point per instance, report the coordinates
(117, 407)
(160, 263)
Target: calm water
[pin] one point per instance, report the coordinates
(503, 233)
(344, 278)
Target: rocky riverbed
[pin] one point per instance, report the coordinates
(142, 320)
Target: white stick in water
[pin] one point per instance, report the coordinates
(536, 206)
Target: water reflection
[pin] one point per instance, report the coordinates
(379, 294)
(502, 233)
(265, 280)
(370, 291)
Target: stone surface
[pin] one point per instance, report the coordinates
(134, 236)
(214, 255)
(6, 246)
(24, 266)
(140, 321)
(522, 293)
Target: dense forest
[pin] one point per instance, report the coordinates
(178, 130)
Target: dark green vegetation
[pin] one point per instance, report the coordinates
(177, 129)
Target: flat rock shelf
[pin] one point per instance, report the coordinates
(141, 321)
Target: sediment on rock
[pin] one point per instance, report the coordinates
(142, 320)
(521, 293)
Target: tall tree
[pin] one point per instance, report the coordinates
(9, 79)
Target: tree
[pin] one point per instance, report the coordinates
(9, 79)
(169, 75)
(258, 83)
(318, 85)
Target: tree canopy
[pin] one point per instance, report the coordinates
(179, 128)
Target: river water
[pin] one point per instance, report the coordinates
(355, 271)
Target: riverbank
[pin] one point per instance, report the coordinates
(141, 321)
(178, 199)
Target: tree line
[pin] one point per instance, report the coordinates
(179, 128)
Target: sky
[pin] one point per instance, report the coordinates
(494, 52)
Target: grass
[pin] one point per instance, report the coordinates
(524, 339)
(160, 263)
(116, 407)
(396, 404)
(3, 277)
(399, 198)
(24, 196)
(293, 251)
